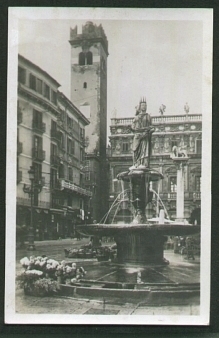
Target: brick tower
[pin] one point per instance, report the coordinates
(89, 51)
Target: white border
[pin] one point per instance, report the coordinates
(206, 16)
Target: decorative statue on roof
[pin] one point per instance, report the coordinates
(142, 130)
(186, 108)
(162, 109)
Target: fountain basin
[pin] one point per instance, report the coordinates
(140, 243)
(120, 283)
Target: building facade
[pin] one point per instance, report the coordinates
(89, 51)
(184, 131)
(51, 139)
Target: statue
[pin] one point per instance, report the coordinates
(142, 130)
(186, 108)
(162, 109)
(178, 152)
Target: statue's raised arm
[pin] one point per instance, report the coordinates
(142, 130)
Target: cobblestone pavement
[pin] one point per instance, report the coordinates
(63, 305)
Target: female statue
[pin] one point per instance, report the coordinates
(143, 130)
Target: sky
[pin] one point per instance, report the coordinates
(160, 59)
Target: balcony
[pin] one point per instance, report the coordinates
(19, 147)
(54, 160)
(64, 184)
(39, 127)
(55, 135)
(19, 176)
(38, 154)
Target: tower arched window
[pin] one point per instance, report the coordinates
(85, 85)
(81, 58)
(89, 57)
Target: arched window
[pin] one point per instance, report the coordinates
(89, 57)
(85, 85)
(81, 58)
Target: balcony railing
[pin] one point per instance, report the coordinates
(39, 127)
(196, 195)
(19, 176)
(19, 147)
(171, 196)
(38, 154)
(159, 119)
(55, 160)
(64, 184)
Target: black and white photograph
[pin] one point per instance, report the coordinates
(108, 187)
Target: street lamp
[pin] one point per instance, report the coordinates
(30, 191)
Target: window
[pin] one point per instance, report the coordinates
(81, 59)
(53, 149)
(70, 174)
(62, 138)
(198, 183)
(38, 143)
(37, 119)
(46, 91)
(125, 147)
(73, 148)
(69, 201)
(85, 58)
(81, 154)
(53, 178)
(173, 185)
(32, 82)
(87, 176)
(39, 86)
(85, 85)
(21, 75)
(82, 133)
(69, 146)
(37, 172)
(61, 171)
(54, 125)
(69, 122)
(81, 179)
(54, 97)
(89, 58)
(198, 146)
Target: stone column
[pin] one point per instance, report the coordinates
(180, 163)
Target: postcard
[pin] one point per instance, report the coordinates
(108, 188)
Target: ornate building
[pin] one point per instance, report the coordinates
(50, 137)
(89, 51)
(184, 131)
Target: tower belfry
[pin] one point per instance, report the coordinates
(89, 51)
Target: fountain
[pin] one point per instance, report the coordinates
(140, 264)
(142, 242)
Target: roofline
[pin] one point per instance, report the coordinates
(70, 104)
(38, 68)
